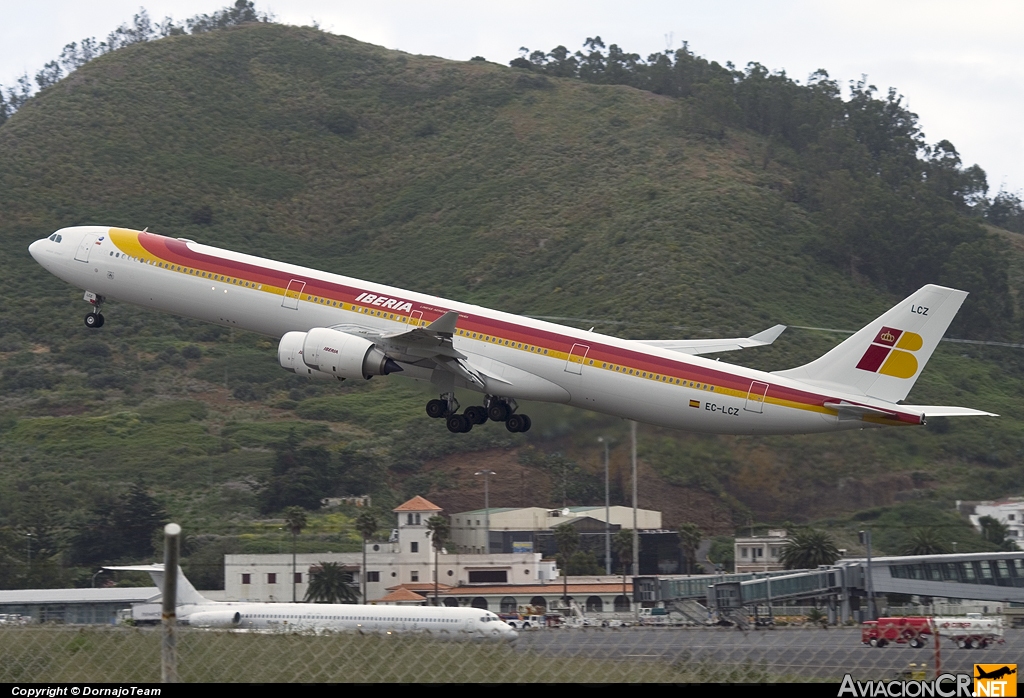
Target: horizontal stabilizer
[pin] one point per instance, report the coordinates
(713, 346)
(187, 593)
(848, 410)
(947, 411)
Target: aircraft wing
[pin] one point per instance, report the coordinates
(713, 346)
(431, 344)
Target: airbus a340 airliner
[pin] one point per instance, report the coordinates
(333, 327)
(453, 622)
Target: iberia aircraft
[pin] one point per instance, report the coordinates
(333, 327)
(441, 621)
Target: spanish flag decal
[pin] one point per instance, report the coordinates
(695, 403)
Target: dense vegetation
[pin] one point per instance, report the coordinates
(714, 202)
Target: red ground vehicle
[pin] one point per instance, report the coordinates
(913, 631)
(972, 631)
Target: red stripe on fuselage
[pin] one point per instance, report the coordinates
(177, 252)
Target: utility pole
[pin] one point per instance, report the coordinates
(607, 512)
(487, 508)
(865, 538)
(636, 532)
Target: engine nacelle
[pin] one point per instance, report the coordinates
(326, 352)
(289, 354)
(215, 619)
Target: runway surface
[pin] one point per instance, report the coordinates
(808, 653)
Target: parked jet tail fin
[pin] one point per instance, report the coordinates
(884, 359)
(187, 593)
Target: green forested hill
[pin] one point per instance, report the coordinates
(648, 215)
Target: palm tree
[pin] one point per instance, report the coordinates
(330, 583)
(808, 549)
(439, 529)
(622, 544)
(924, 541)
(567, 538)
(689, 540)
(366, 524)
(295, 519)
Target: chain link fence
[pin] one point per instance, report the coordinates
(44, 653)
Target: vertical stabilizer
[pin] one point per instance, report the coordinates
(187, 594)
(885, 358)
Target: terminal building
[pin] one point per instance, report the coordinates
(78, 606)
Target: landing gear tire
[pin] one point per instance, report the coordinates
(437, 409)
(476, 414)
(459, 424)
(94, 320)
(518, 423)
(498, 411)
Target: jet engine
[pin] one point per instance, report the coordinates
(215, 619)
(323, 352)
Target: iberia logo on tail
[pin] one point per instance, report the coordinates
(891, 353)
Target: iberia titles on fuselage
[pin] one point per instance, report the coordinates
(333, 327)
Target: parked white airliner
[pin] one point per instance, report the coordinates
(338, 328)
(443, 621)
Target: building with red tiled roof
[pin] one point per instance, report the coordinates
(417, 503)
(406, 557)
(401, 597)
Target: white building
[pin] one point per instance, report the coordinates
(408, 558)
(1009, 512)
(760, 553)
(469, 529)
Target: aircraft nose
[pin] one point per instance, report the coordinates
(34, 249)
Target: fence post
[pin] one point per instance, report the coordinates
(168, 648)
(938, 655)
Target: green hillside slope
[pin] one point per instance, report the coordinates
(482, 183)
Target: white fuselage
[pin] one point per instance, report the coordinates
(526, 359)
(437, 621)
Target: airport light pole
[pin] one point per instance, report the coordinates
(865, 538)
(636, 531)
(487, 507)
(607, 510)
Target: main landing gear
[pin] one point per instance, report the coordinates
(94, 319)
(496, 409)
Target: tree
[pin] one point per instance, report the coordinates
(567, 539)
(329, 582)
(924, 541)
(439, 530)
(690, 537)
(301, 476)
(809, 548)
(295, 520)
(622, 544)
(995, 531)
(366, 524)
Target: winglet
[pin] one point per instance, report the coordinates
(768, 336)
(444, 325)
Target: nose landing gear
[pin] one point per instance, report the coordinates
(94, 319)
